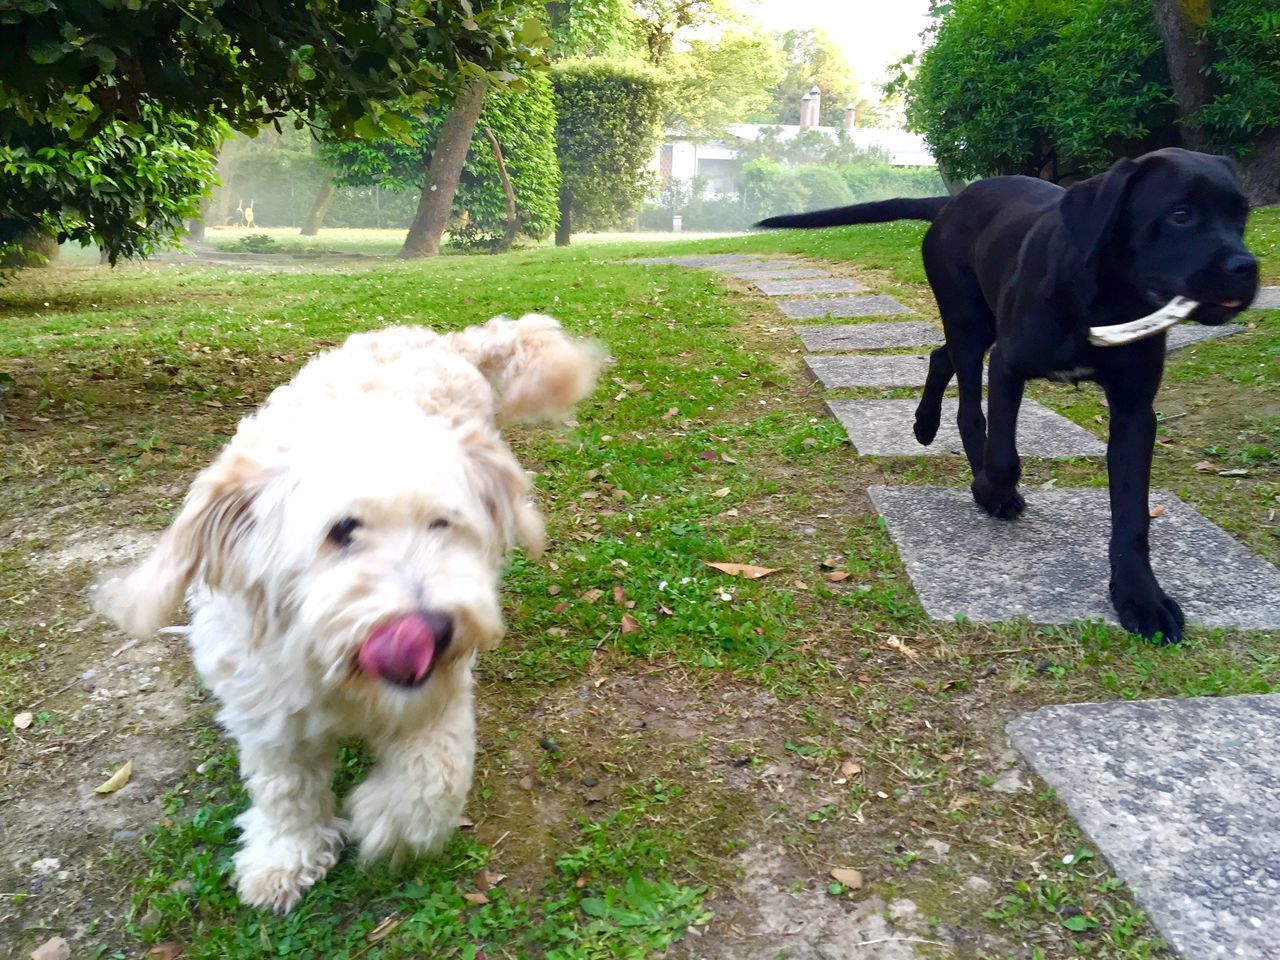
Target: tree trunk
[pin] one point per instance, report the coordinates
(195, 226)
(1180, 24)
(1260, 170)
(564, 227)
(318, 209)
(441, 181)
(25, 244)
(513, 222)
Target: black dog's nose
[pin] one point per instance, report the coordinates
(1240, 265)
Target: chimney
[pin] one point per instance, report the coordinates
(806, 112)
(815, 108)
(850, 117)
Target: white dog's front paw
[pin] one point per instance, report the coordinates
(401, 824)
(274, 873)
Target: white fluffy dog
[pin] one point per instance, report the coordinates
(342, 556)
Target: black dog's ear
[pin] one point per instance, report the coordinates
(1090, 208)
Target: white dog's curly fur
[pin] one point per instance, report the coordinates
(341, 556)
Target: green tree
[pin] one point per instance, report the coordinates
(1224, 68)
(592, 28)
(70, 72)
(82, 64)
(812, 58)
(132, 183)
(1060, 88)
(523, 124)
(608, 116)
(723, 80)
(1039, 87)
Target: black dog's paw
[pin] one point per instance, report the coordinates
(1001, 504)
(926, 427)
(1150, 613)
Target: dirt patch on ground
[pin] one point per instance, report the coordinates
(101, 699)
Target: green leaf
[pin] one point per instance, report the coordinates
(1079, 922)
(48, 51)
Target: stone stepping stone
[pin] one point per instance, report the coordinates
(779, 273)
(841, 307)
(709, 260)
(1268, 299)
(1186, 334)
(882, 428)
(1050, 565)
(758, 263)
(1180, 797)
(869, 371)
(869, 336)
(783, 288)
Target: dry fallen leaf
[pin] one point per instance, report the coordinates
(23, 720)
(1158, 510)
(1204, 466)
(831, 562)
(382, 930)
(850, 769)
(592, 595)
(835, 576)
(801, 585)
(553, 590)
(893, 643)
(722, 492)
(848, 877)
(744, 570)
(55, 948)
(485, 880)
(465, 823)
(167, 951)
(479, 899)
(116, 780)
(630, 624)
(670, 413)
(619, 595)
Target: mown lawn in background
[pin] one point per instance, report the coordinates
(704, 443)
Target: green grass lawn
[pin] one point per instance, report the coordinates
(628, 780)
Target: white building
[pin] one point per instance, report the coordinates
(679, 159)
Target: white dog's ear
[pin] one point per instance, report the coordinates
(214, 519)
(503, 488)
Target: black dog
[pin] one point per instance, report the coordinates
(1028, 266)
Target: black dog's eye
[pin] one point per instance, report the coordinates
(1182, 216)
(340, 533)
(440, 523)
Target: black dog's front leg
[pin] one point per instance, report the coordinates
(995, 486)
(1143, 607)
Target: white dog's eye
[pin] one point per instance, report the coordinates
(340, 533)
(439, 523)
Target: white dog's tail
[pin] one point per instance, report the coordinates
(536, 369)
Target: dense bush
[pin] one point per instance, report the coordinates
(1060, 88)
(768, 187)
(131, 186)
(1246, 70)
(608, 123)
(1040, 87)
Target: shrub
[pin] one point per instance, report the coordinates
(608, 116)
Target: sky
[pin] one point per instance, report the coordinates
(873, 33)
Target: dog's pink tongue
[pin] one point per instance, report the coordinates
(399, 651)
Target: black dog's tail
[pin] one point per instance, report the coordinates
(883, 211)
